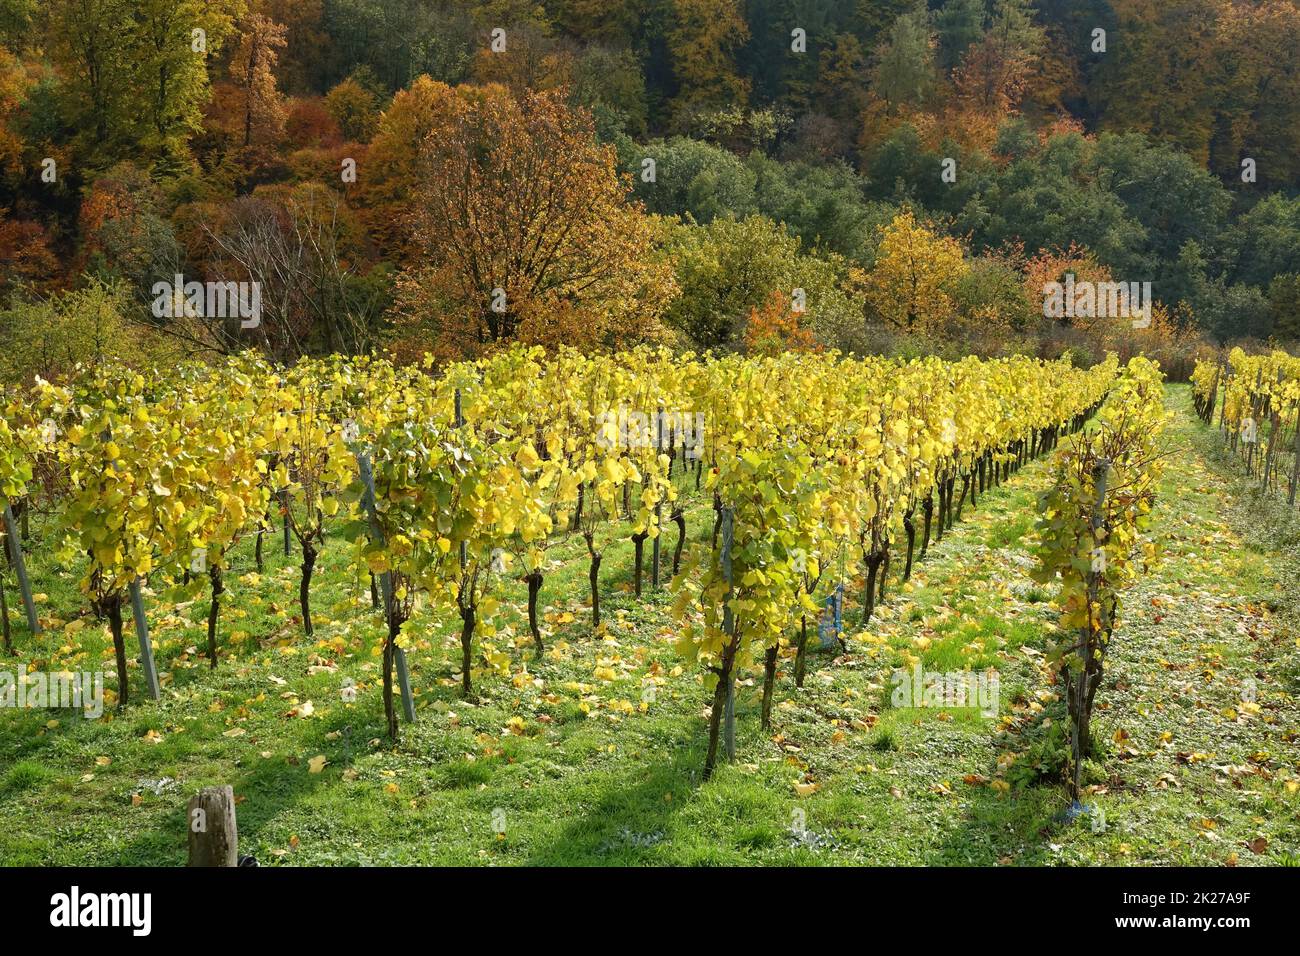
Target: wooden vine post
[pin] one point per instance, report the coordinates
(386, 584)
(659, 505)
(460, 422)
(1295, 465)
(729, 629)
(1223, 409)
(20, 569)
(146, 646)
(214, 835)
(1087, 644)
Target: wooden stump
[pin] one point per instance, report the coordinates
(214, 837)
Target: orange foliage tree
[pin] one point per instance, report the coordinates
(776, 328)
(525, 230)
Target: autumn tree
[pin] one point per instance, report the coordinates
(252, 71)
(777, 328)
(912, 284)
(25, 254)
(1055, 266)
(703, 40)
(1160, 81)
(304, 249)
(394, 163)
(133, 79)
(354, 108)
(307, 54)
(995, 70)
(531, 60)
(525, 229)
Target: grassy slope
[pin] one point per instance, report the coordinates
(583, 775)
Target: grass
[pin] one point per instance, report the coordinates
(579, 764)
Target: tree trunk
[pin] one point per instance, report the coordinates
(466, 650)
(927, 513)
(210, 820)
(680, 520)
(304, 587)
(218, 588)
(884, 573)
(374, 593)
(4, 621)
(769, 683)
(869, 593)
(800, 658)
(938, 512)
(910, 527)
(390, 649)
(639, 541)
(719, 705)
(576, 523)
(593, 575)
(534, 580)
(113, 610)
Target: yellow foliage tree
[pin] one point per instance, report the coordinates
(916, 269)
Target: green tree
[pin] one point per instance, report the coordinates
(904, 70)
(169, 78)
(1284, 307)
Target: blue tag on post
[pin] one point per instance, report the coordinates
(831, 624)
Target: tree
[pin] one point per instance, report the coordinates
(394, 163)
(703, 40)
(1160, 80)
(303, 248)
(25, 254)
(916, 271)
(690, 178)
(1284, 307)
(776, 328)
(401, 40)
(842, 79)
(526, 229)
(125, 233)
(308, 52)
(169, 78)
(995, 71)
(610, 84)
(355, 109)
(91, 50)
(1259, 113)
(959, 25)
(252, 71)
(903, 74)
(1054, 266)
(729, 268)
(87, 326)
